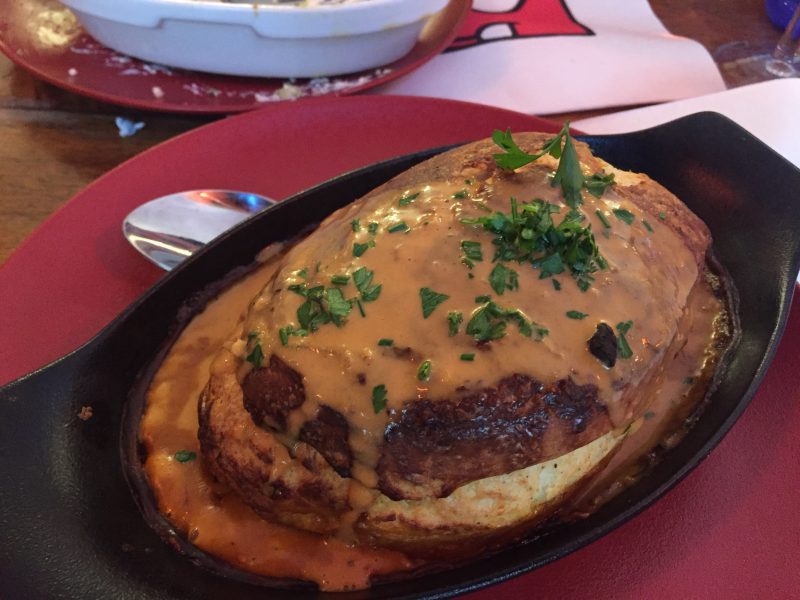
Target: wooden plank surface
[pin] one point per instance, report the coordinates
(54, 142)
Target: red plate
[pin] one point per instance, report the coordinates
(43, 37)
(729, 530)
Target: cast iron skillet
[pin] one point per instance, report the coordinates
(69, 525)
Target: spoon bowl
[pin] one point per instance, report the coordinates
(171, 228)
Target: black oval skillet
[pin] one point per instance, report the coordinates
(69, 525)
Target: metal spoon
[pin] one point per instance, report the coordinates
(169, 229)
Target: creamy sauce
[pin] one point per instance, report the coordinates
(211, 517)
(650, 280)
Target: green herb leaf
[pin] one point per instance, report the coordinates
(184, 456)
(623, 349)
(662, 216)
(398, 227)
(569, 174)
(624, 215)
(689, 380)
(603, 219)
(340, 279)
(489, 322)
(472, 250)
(482, 299)
(556, 284)
(515, 157)
(285, 332)
(359, 249)
(461, 194)
(298, 288)
(647, 226)
(378, 398)
(385, 342)
(355, 224)
(430, 300)
(362, 278)
(256, 356)
(468, 356)
(502, 278)
(424, 371)
(574, 314)
(596, 184)
(302, 273)
(407, 199)
(454, 320)
(337, 306)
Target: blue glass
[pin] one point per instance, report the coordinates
(780, 13)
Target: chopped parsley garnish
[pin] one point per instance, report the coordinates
(407, 199)
(482, 299)
(302, 273)
(397, 227)
(424, 371)
(596, 184)
(603, 219)
(574, 314)
(489, 323)
(556, 284)
(502, 278)
(461, 194)
(624, 215)
(256, 356)
(362, 278)
(321, 306)
(528, 234)
(468, 181)
(430, 300)
(467, 356)
(378, 398)
(359, 249)
(355, 224)
(689, 380)
(385, 342)
(285, 332)
(662, 216)
(373, 227)
(183, 456)
(298, 288)
(360, 307)
(454, 320)
(472, 250)
(623, 349)
(340, 279)
(647, 226)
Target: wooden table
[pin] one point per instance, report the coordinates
(53, 142)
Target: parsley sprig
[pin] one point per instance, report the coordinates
(568, 174)
(489, 322)
(529, 234)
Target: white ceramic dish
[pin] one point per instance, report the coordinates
(260, 40)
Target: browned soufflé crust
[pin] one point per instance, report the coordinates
(307, 449)
(438, 445)
(300, 490)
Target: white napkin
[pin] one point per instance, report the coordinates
(549, 56)
(768, 110)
